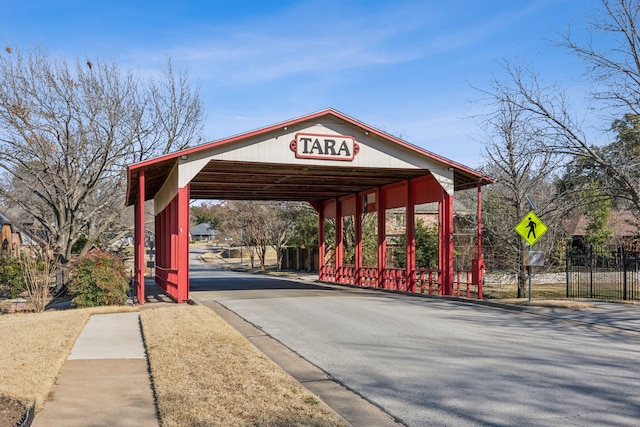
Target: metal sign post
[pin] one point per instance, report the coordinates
(228, 239)
(533, 259)
(531, 228)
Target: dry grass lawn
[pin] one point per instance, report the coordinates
(205, 373)
(34, 348)
(553, 303)
(546, 291)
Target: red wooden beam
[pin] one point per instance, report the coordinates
(182, 247)
(139, 238)
(410, 240)
(446, 243)
(480, 261)
(382, 238)
(357, 219)
(321, 243)
(339, 242)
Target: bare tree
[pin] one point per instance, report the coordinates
(264, 224)
(612, 56)
(173, 114)
(520, 171)
(253, 221)
(612, 64)
(283, 224)
(68, 130)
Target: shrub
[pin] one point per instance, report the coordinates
(99, 278)
(11, 276)
(38, 270)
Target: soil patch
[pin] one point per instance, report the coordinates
(11, 412)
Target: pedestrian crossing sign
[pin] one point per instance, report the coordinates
(531, 228)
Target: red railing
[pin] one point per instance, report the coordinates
(347, 275)
(369, 277)
(167, 279)
(328, 273)
(394, 278)
(427, 280)
(462, 280)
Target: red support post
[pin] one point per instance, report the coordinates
(165, 236)
(321, 244)
(339, 242)
(183, 243)
(382, 238)
(445, 253)
(480, 271)
(357, 219)
(173, 248)
(139, 238)
(157, 233)
(410, 240)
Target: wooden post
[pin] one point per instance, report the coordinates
(410, 240)
(139, 238)
(183, 243)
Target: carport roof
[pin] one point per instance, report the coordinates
(222, 179)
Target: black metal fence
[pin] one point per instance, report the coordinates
(603, 273)
(29, 415)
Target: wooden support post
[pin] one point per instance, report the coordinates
(480, 261)
(339, 243)
(358, 238)
(410, 240)
(382, 238)
(139, 238)
(183, 243)
(321, 244)
(445, 253)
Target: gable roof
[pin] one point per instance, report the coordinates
(621, 224)
(203, 229)
(263, 180)
(4, 220)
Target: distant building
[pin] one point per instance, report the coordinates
(202, 232)
(624, 226)
(24, 237)
(10, 238)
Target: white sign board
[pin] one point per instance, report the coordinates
(534, 259)
(324, 147)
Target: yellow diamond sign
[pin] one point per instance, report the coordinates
(531, 228)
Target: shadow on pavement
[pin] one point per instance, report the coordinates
(251, 283)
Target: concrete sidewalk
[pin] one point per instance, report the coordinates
(105, 380)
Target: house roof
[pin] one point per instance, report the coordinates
(621, 223)
(203, 229)
(4, 220)
(27, 236)
(263, 180)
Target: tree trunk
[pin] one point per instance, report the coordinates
(522, 281)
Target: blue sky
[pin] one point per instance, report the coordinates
(406, 67)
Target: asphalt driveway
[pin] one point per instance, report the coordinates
(429, 361)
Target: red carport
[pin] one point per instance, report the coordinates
(339, 165)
